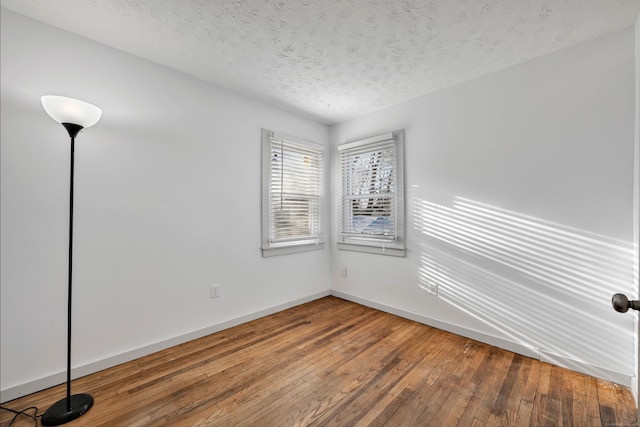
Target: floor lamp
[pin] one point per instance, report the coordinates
(74, 115)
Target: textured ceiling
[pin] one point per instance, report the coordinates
(335, 59)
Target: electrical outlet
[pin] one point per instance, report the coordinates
(344, 272)
(214, 291)
(432, 288)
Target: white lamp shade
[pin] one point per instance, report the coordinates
(69, 110)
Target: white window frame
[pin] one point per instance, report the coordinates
(271, 245)
(389, 240)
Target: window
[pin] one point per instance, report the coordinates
(291, 194)
(372, 196)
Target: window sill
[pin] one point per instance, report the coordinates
(380, 250)
(291, 249)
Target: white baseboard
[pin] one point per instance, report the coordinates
(587, 368)
(544, 356)
(38, 384)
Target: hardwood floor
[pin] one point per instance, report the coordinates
(334, 363)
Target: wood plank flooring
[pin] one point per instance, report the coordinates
(335, 363)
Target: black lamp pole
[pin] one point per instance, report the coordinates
(71, 407)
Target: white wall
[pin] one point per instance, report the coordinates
(167, 202)
(519, 206)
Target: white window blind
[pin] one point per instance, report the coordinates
(372, 202)
(292, 191)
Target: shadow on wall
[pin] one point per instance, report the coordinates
(540, 284)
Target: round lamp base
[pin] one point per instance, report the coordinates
(58, 414)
